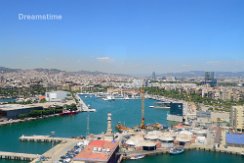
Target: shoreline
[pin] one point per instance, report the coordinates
(8, 122)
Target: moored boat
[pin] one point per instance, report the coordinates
(136, 157)
(176, 150)
(242, 153)
(121, 127)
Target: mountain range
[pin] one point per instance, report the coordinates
(187, 74)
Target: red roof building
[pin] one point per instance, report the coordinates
(99, 151)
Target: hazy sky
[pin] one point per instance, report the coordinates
(125, 36)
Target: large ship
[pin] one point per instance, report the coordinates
(109, 98)
(68, 112)
(120, 127)
(161, 105)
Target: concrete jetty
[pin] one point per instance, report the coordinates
(18, 156)
(83, 107)
(54, 154)
(220, 149)
(42, 138)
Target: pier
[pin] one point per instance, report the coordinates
(43, 138)
(18, 156)
(221, 149)
(83, 107)
(54, 154)
(128, 154)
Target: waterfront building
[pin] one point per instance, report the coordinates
(214, 134)
(55, 96)
(203, 117)
(167, 140)
(176, 112)
(237, 118)
(99, 151)
(220, 116)
(200, 136)
(12, 111)
(235, 139)
(139, 142)
(184, 138)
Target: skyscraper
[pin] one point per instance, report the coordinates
(154, 76)
(209, 79)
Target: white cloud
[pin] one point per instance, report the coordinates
(103, 58)
(186, 66)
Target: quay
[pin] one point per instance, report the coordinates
(221, 149)
(54, 154)
(43, 138)
(128, 154)
(26, 119)
(229, 150)
(18, 156)
(82, 105)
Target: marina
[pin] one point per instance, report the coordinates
(77, 128)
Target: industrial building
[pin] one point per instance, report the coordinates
(100, 151)
(56, 96)
(237, 118)
(12, 111)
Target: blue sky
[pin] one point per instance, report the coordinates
(124, 36)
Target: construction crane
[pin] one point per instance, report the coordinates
(142, 126)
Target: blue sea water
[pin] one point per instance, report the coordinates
(125, 111)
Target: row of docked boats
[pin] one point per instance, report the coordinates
(118, 97)
(172, 151)
(161, 105)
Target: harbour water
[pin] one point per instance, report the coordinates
(125, 111)
(7, 100)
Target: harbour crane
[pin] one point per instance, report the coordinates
(142, 126)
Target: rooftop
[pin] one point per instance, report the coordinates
(9, 107)
(233, 138)
(98, 150)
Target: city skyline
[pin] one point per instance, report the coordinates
(124, 37)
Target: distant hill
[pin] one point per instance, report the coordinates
(48, 70)
(202, 73)
(54, 71)
(188, 74)
(7, 70)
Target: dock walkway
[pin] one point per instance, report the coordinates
(221, 149)
(54, 154)
(128, 154)
(42, 138)
(83, 107)
(18, 156)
